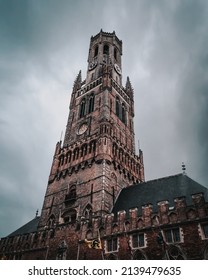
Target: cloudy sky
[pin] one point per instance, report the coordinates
(44, 44)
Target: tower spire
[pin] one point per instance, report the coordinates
(129, 88)
(77, 82)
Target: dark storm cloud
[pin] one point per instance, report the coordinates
(43, 45)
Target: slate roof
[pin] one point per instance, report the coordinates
(153, 191)
(31, 226)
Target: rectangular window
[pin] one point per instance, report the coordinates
(172, 235)
(205, 230)
(112, 244)
(138, 240)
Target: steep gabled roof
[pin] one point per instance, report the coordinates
(167, 188)
(27, 228)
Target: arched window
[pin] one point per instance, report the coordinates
(106, 49)
(82, 108)
(51, 221)
(72, 193)
(91, 103)
(61, 160)
(88, 212)
(70, 216)
(117, 107)
(174, 252)
(96, 51)
(139, 255)
(92, 147)
(115, 53)
(111, 257)
(123, 113)
(76, 154)
(83, 150)
(68, 157)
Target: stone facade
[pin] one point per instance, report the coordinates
(92, 166)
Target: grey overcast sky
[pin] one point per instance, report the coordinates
(44, 44)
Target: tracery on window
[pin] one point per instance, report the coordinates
(174, 252)
(82, 108)
(88, 212)
(51, 221)
(91, 103)
(139, 255)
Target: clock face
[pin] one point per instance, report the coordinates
(117, 68)
(83, 127)
(92, 65)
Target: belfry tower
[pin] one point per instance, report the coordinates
(97, 157)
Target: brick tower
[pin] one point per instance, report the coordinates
(97, 158)
(96, 192)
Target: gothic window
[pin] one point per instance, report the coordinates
(112, 244)
(92, 147)
(123, 113)
(172, 235)
(35, 238)
(139, 255)
(115, 53)
(88, 212)
(83, 150)
(68, 157)
(120, 154)
(51, 221)
(61, 160)
(115, 148)
(117, 107)
(106, 49)
(96, 51)
(70, 216)
(82, 108)
(112, 257)
(71, 196)
(91, 103)
(174, 253)
(138, 240)
(76, 153)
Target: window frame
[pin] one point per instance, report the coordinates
(174, 235)
(112, 245)
(140, 239)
